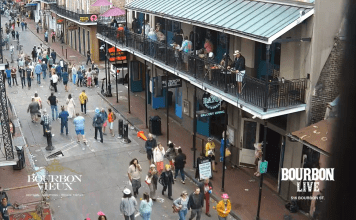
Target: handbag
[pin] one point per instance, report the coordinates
(227, 152)
(176, 209)
(42, 122)
(148, 180)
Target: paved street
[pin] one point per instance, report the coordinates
(103, 166)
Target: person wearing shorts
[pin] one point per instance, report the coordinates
(79, 123)
(105, 118)
(111, 119)
(239, 65)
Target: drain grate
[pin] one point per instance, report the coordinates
(56, 154)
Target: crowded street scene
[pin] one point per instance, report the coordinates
(168, 109)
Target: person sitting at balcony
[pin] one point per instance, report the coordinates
(208, 46)
(239, 68)
(186, 48)
(120, 33)
(178, 37)
(161, 37)
(146, 29)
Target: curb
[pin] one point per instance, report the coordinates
(213, 196)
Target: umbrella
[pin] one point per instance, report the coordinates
(113, 12)
(101, 3)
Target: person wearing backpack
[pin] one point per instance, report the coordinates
(98, 123)
(111, 119)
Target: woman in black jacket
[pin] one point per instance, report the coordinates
(166, 180)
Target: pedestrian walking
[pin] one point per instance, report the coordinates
(210, 152)
(50, 62)
(54, 55)
(22, 25)
(150, 145)
(166, 180)
(46, 36)
(158, 157)
(80, 77)
(17, 36)
(25, 25)
(128, 205)
(4, 205)
(206, 188)
(23, 77)
(65, 80)
(37, 28)
(52, 101)
(54, 81)
(111, 120)
(74, 74)
(38, 70)
(13, 33)
(8, 75)
(39, 52)
(44, 69)
(134, 174)
(223, 207)
(88, 57)
(64, 119)
(38, 100)
(34, 54)
(70, 106)
(3, 194)
(171, 154)
(59, 72)
(196, 203)
(151, 181)
(45, 122)
(29, 75)
(146, 207)
(98, 124)
(79, 124)
(33, 108)
(105, 118)
(13, 76)
(182, 204)
(53, 35)
(89, 77)
(179, 164)
(83, 99)
(18, 22)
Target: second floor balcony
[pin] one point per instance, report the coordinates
(263, 94)
(76, 16)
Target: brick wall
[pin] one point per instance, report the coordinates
(327, 87)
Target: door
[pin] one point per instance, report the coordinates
(260, 58)
(80, 45)
(84, 51)
(249, 136)
(136, 71)
(178, 109)
(75, 40)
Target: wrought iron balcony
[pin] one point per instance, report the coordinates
(79, 17)
(49, 1)
(265, 95)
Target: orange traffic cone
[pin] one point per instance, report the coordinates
(141, 134)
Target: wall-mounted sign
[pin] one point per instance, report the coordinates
(120, 55)
(211, 113)
(83, 19)
(88, 18)
(60, 21)
(211, 102)
(93, 17)
(173, 81)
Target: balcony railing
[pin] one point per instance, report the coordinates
(62, 11)
(258, 92)
(50, 1)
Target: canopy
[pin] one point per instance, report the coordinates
(101, 3)
(113, 12)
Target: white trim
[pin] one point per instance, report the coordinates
(235, 102)
(290, 26)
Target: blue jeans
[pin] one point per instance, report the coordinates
(9, 81)
(146, 216)
(44, 74)
(74, 78)
(182, 214)
(29, 82)
(39, 78)
(64, 125)
(181, 173)
(54, 107)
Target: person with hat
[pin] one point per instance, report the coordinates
(210, 152)
(98, 121)
(151, 180)
(239, 67)
(166, 180)
(45, 122)
(223, 207)
(182, 204)
(127, 205)
(150, 145)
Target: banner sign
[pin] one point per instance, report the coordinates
(88, 18)
(205, 169)
(173, 82)
(211, 113)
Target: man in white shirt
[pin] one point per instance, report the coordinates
(55, 81)
(146, 28)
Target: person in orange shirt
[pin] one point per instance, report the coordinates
(120, 33)
(224, 207)
(111, 119)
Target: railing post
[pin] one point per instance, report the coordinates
(226, 61)
(127, 33)
(266, 77)
(165, 30)
(195, 53)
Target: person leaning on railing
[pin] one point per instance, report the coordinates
(120, 33)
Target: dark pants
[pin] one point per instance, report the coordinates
(53, 39)
(80, 80)
(44, 129)
(181, 173)
(100, 131)
(169, 189)
(14, 80)
(96, 81)
(64, 125)
(9, 81)
(29, 82)
(23, 81)
(131, 217)
(46, 39)
(196, 212)
(84, 106)
(55, 87)
(88, 60)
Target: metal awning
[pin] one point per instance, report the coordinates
(316, 136)
(261, 20)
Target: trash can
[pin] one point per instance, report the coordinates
(21, 155)
(155, 125)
